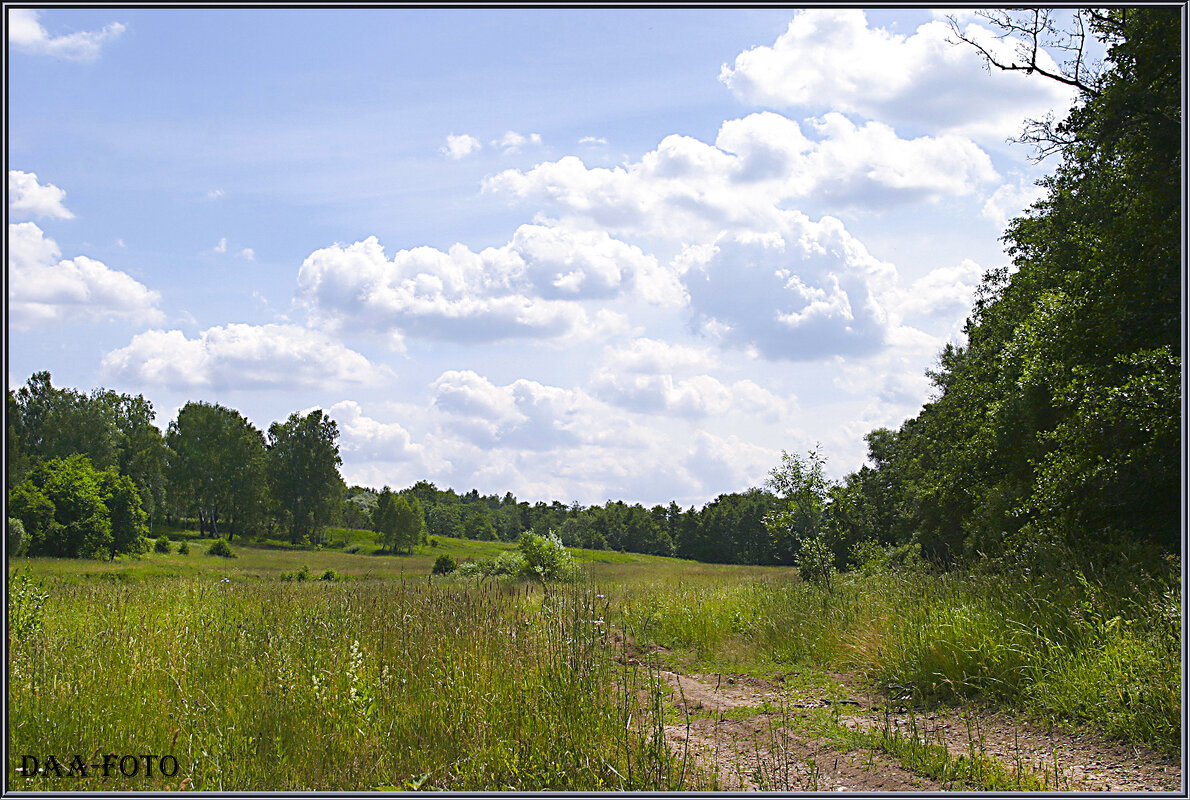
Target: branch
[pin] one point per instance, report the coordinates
(1032, 37)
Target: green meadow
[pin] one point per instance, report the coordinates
(387, 677)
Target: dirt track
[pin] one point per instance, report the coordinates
(734, 729)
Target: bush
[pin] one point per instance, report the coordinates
(184, 548)
(472, 569)
(26, 603)
(162, 544)
(329, 575)
(546, 558)
(18, 540)
(510, 562)
(219, 547)
(353, 549)
(444, 565)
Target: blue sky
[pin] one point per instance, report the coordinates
(575, 254)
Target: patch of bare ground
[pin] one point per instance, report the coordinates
(734, 729)
(757, 752)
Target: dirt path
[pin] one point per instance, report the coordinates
(745, 730)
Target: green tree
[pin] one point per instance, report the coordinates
(216, 466)
(303, 469)
(384, 519)
(141, 452)
(800, 520)
(1056, 424)
(69, 509)
(57, 423)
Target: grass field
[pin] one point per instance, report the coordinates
(386, 678)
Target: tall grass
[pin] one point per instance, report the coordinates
(1103, 650)
(295, 686)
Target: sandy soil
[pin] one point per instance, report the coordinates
(730, 732)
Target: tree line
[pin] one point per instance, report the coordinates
(1055, 427)
(90, 474)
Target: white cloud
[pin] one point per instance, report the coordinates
(1011, 200)
(944, 294)
(655, 357)
(460, 145)
(524, 414)
(222, 246)
(512, 141)
(366, 439)
(689, 190)
(727, 464)
(26, 33)
(28, 198)
(248, 254)
(592, 140)
(830, 59)
(241, 356)
(530, 288)
(44, 290)
(214, 194)
(808, 292)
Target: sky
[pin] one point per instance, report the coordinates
(575, 254)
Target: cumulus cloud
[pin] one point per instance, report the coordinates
(241, 356)
(945, 293)
(808, 291)
(831, 59)
(524, 414)
(511, 141)
(248, 254)
(460, 145)
(1011, 200)
(26, 33)
(727, 464)
(530, 288)
(689, 190)
(363, 438)
(44, 290)
(650, 376)
(28, 198)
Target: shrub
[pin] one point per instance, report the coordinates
(433, 542)
(18, 540)
(219, 547)
(444, 565)
(471, 569)
(162, 544)
(353, 549)
(510, 562)
(184, 548)
(546, 558)
(329, 575)
(26, 602)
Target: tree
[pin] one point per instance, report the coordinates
(215, 464)
(69, 509)
(384, 519)
(1055, 427)
(303, 470)
(804, 492)
(57, 423)
(141, 452)
(127, 519)
(410, 523)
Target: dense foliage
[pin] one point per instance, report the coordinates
(1056, 426)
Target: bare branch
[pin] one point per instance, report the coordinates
(1033, 31)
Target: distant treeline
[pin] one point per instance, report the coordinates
(1054, 430)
